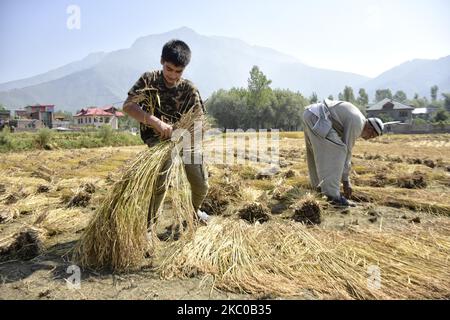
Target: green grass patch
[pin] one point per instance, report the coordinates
(47, 139)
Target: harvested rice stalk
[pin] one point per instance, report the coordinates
(288, 259)
(6, 215)
(216, 201)
(80, 199)
(27, 244)
(413, 262)
(61, 220)
(272, 258)
(254, 212)
(307, 211)
(43, 189)
(221, 196)
(117, 235)
(89, 187)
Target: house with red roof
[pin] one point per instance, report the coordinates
(93, 116)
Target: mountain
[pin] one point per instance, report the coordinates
(86, 63)
(217, 62)
(416, 76)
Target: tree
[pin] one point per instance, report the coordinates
(381, 94)
(419, 102)
(229, 108)
(400, 96)
(363, 98)
(2, 108)
(313, 98)
(258, 84)
(419, 121)
(288, 109)
(434, 92)
(441, 116)
(259, 93)
(446, 101)
(330, 97)
(416, 96)
(348, 95)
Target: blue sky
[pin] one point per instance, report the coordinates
(361, 36)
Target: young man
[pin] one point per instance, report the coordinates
(329, 144)
(175, 96)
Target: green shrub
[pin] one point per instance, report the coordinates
(5, 138)
(106, 134)
(43, 137)
(419, 121)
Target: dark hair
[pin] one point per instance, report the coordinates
(176, 52)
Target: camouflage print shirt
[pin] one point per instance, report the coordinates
(168, 104)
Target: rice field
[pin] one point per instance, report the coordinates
(270, 235)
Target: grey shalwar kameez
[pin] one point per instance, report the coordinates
(329, 158)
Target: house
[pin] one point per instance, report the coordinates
(391, 110)
(5, 115)
(93, 116)
(425, 113)
(42, 113)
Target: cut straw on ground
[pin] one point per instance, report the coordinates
(288, 259)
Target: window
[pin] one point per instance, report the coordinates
(90, 120)
(403, 114)
(95, 120)
(100, 119)
(106, 120)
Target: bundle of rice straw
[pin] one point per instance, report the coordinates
(289, 259)
(116, 237)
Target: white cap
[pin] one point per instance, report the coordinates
(377, 124)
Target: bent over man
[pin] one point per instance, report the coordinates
(331, 129)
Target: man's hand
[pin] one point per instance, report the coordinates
(163, 129)
(347, 189)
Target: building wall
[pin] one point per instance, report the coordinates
(28, 125)
(5, 115)
(396, 115)
(115, 123)
(97, 121)
(37, 113)
(61, 124)
(423, 128)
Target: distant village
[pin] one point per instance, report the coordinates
(405, 115)
(35, 117)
